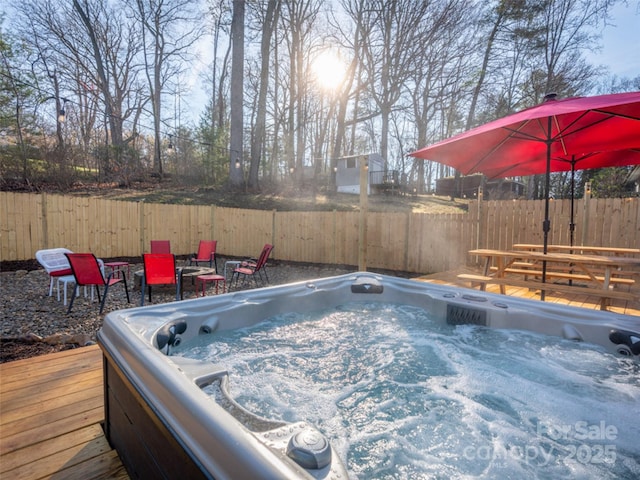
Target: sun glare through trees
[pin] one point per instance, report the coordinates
(328, 70)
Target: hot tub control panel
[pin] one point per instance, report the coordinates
(307, 447)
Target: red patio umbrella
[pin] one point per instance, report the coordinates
(555, 129)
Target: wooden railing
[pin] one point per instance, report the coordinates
(412, 242)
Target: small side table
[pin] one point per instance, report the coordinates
(232, 264)
(118, 268)
(211, 278)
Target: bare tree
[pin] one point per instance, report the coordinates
(213, 129)
(14, 94)
(298, 19)
(112, 114)
(507, 24)
(258, 138)
(567, 28)
(221, 24)
(442, 68)
(47, 73)
(169, 30)
(236, 174)
(352, 84)
(389, 54)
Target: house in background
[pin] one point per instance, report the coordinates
(634, 178)
(348, 172)
(379, 179)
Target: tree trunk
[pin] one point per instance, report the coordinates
(236, 170)
(257, 143)
(115, 121)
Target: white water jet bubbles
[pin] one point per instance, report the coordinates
(403, 395)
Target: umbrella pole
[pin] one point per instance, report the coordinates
(572, 226)
(546, 224)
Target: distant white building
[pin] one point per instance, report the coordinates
(348, 172)
(634, 177)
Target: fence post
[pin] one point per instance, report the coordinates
(335, 236)
(479, 214)
(585, 211)
(142, 230)
(213, 221)
(407, 231)
(45, 225)
(364, 207)
(273, 230)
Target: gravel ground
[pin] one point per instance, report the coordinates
(32, 323)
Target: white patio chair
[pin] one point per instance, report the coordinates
(55, 264)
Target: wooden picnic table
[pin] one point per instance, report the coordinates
(615, 251)
(600, 272)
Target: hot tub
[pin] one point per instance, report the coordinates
(164, 425)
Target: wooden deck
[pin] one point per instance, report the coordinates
(51, 409)
(575, 300)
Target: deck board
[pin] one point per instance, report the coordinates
(91, 397)
(51, 410)
(44, 391)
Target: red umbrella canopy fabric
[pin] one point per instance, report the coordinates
(560, 129)
(617, 158)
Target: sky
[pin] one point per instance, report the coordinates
(621, 41)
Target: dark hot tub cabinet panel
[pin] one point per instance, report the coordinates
(164, 426)
(145, 445)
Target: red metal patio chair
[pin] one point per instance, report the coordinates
(87, 272)
(159, 269)
(254, 268)
(160, 246)
(206, 253)
(252, 262)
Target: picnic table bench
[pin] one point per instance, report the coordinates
(615, 251)
(605, 295)
(567, 275)
(600, 273)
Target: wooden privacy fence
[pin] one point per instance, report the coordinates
(412, 242)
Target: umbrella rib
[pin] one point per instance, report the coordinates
(612, 114)
(560, 138)
(513, 134)
(566, 133)
(608, 116)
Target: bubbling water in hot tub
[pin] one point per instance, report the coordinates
(402, 395)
